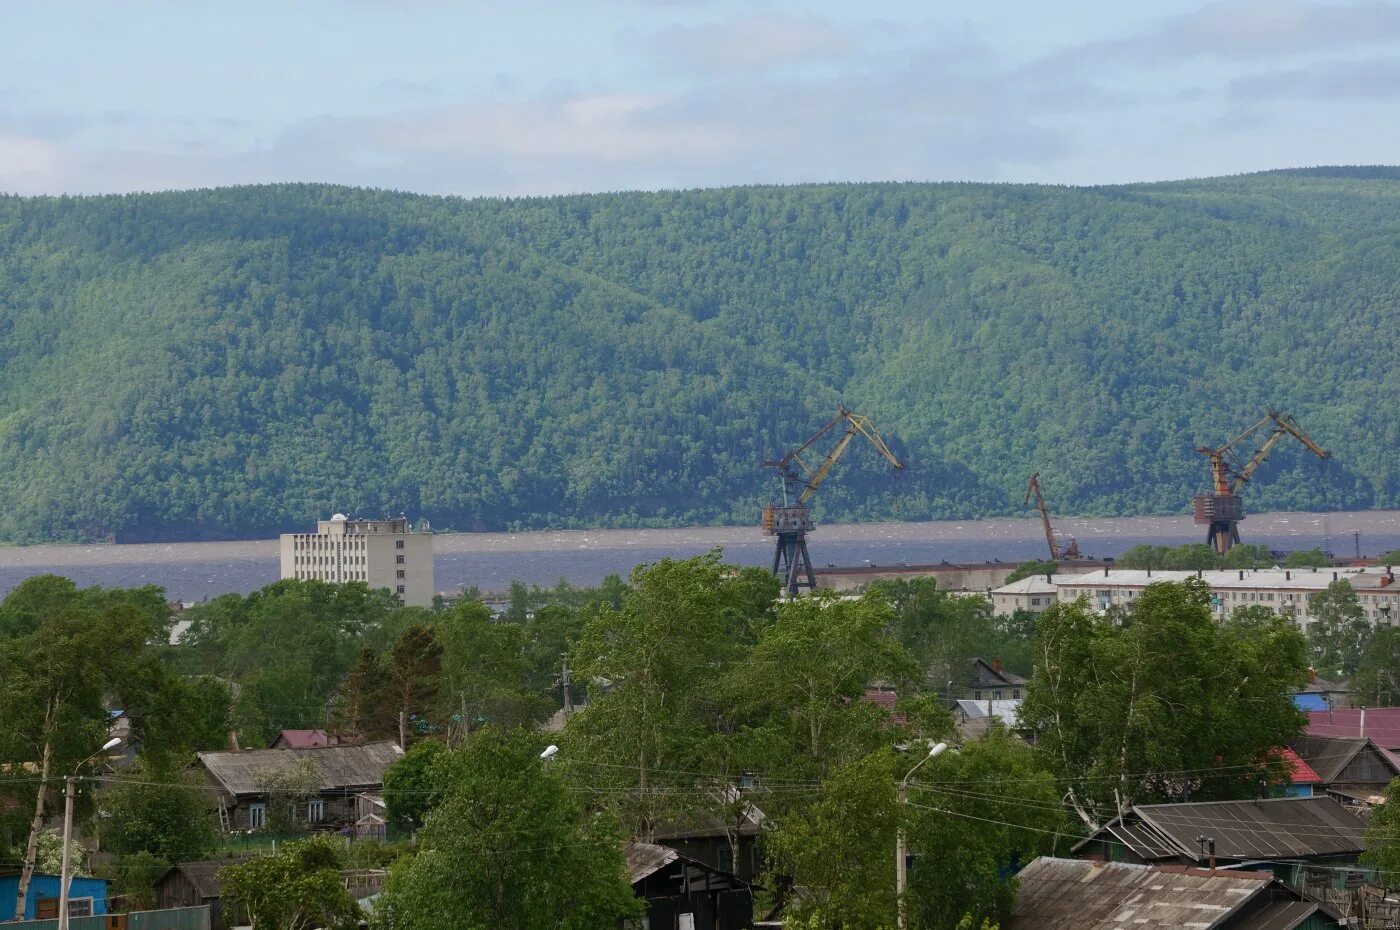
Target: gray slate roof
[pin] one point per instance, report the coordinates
(1073, 894)
(340, 767)
(645, 859)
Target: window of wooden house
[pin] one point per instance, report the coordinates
(80, 907)
(257, 816)
(315, 810)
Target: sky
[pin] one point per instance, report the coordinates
(545, 96)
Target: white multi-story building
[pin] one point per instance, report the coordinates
(381, 553)
(1288, 592)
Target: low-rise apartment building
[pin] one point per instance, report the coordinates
(1288, 592)
(381, 553)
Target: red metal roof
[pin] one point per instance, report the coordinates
(1299, 772)
(1382, 724)
(885, 700)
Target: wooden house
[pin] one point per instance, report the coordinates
(684, 894)
(237, 780)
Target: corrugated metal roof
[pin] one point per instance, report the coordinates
(1381, 724)
(339, 767)
(1074, 894)
(1280, 915)
(645, 859)
(1268, 829)
(1004, 710)
(1299, 772)
(1327, 755)
(302, 739)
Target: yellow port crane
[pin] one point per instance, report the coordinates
(791, 520)
(1222, 509)
(1058, 548)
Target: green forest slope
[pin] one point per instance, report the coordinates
(240, 361)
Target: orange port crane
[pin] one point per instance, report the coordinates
(791, 520)
(1221, 509)
(1058, 548)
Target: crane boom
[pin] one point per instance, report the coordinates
(1057, 550)
(1222, 508)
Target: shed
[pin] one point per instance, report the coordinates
(1348, 762)
(1067, 894)
(194, 884)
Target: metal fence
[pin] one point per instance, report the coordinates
(179, 918)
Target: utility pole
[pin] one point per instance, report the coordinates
(403, 729)
(1356, 538)
(70, 788)
(567, 684)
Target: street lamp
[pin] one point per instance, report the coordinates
(549, 752)
(901, 868)
(70, 790)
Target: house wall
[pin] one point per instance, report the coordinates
(1368, 768)
(339, 810)
(47, 886)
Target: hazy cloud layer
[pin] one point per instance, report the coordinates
(765, 94)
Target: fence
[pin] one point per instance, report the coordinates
(178, 918)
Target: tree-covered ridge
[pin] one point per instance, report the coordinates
(240, 361)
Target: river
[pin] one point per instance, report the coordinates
(490, 561)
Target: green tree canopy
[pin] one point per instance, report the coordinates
(296, 888)
(506, 847)
(1339, 631)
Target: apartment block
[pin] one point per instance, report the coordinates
(381, 553)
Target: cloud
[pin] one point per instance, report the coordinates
(755, 42)
(1241, 30)
(29, 165)
(1367, 80)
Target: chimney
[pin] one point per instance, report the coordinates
(996, 665)
(1149, 571)
(1049, 579)
(1362, 728)
(1105, 571)
(1312, 673)
(1199, 573)
(1334, 576)
(1386, 580)
(1287, 576)
(1241, 574)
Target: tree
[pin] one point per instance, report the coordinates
(415, 663)
(507, 848)
(660, 656)
(485, 673)
(1391, 558)
(1120, 711)
(288, 791)
(296, 888)
(1383, 837)
(809, 669)
(1339, 631)
(73, 650)
(1377, 679)
(1306, 558)
(839, 851)
(973, 817)
(361, 710)
(157, 809)
(408, 786)
(1031, 569)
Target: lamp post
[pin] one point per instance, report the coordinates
(70, 790)
(901, 869)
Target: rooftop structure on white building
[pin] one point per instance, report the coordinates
(389, 553)
(1288, 592)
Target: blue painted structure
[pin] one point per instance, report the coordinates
(1310, 701)
(46, 886)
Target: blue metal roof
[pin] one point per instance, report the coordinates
(1310, 701)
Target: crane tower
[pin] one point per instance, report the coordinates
(1222, 509)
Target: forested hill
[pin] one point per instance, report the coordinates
(236, 362)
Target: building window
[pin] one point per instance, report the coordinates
(400, 591)
(398, 544)
(80, 907)
(399, 573)
(257, 816)
(315, 810)
(398, 559)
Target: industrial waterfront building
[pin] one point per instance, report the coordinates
(381, 553)
(1288, 592)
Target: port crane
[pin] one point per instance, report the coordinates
(1222, 509)
(1058, 548)
(791, 520)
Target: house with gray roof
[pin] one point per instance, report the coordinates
(238, 782)
(1068, 894)
(1298, 839)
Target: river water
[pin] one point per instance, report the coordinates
(196, 571)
